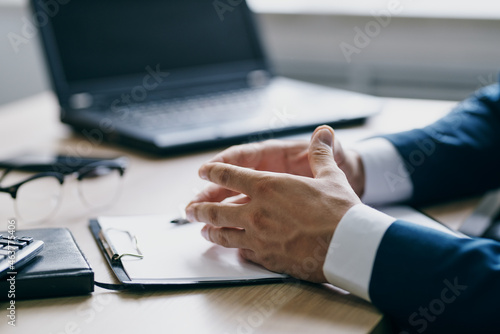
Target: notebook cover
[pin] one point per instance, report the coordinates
(60, 269)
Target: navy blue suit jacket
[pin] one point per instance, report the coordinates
(427, 281)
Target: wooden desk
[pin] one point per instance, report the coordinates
(154, 185)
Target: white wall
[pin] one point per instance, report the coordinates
(21, 73)
(411, 57)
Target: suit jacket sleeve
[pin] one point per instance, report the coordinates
(458, 155)
(430, 282)
(423, 279)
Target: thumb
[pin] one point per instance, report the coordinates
(321, 153)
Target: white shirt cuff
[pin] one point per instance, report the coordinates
(387, 178)
(352, 251)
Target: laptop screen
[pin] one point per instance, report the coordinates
(113, 38)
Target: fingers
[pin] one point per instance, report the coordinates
(247, 155)
(235, 178)
(320, 152)
(213, 193)
(226, 237)
(240, 199)
(271, 155)
(248, 255)
(216, 214)
(338, 152)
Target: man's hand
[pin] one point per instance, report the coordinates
(291, 157)
(284, 222)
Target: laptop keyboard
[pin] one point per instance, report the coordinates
(189, 112)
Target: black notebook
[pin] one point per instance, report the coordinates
(60, 269)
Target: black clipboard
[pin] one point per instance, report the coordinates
(115, 261)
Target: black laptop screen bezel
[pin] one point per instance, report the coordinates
(64, 89)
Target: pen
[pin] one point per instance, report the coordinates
(180, 221)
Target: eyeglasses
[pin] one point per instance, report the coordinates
(37, 197)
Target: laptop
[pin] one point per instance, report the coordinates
(169, 76)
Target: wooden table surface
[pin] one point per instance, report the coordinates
(153, 185)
